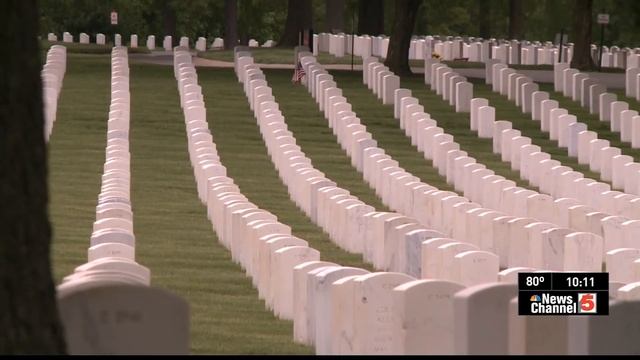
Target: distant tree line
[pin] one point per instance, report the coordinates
(267, 19)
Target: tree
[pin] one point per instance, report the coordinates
(28, 313)
(334, 16)
(230, 23)
(484, 18)
(370, 17)
(299, 18)
(169, 21)
(403, 23)
(582, 18)
(516, 19)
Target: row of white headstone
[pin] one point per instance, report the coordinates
(200, 44)
(110, 292)
(577, 216)
(346, 219)
(614, 57)
(340, 45)
(573, 135)
(628, 292)
(325, 314)
(113, 240)
(52, 75)
(441, 216)
(420, 48)
(314, 326)
(615, 167)
(497, 194)
(475, 50)
(263, 246)
(632, 82)
(567, 210)
(568, 131)
(319, 315)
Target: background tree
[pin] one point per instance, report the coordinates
(28, 313)
(484, 18)
(169, 21)
(299, 17)
(582, 23)
(403, 24)
(516, 19)
(371, 17)
(230, 23)
(334, 16)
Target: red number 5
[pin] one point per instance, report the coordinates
(586, 302)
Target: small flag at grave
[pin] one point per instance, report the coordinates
(298, 74)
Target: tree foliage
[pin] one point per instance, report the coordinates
(265, 19)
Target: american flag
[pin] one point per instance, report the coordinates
(298, 74)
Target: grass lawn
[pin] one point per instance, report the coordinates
(175, 239)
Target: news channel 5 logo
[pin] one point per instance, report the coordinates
(587, 303)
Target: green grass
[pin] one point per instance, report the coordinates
(174, 238)
(93, 48)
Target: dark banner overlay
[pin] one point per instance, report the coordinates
(563, 293)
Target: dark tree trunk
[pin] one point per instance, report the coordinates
(371, 17)
(299, 18)
(29, 320)
(230, 23)
(484, 18)
(403, 24)
(516, 19)
(582, 18)
(169, 20)
(334, 16)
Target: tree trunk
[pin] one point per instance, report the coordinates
(169, 21)
(230, 23)
(299, 18)
(582, 17)
(371, 17)
(28, 313)
(334, 16)
(484, 18)
(516, 19)
(403, 23)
